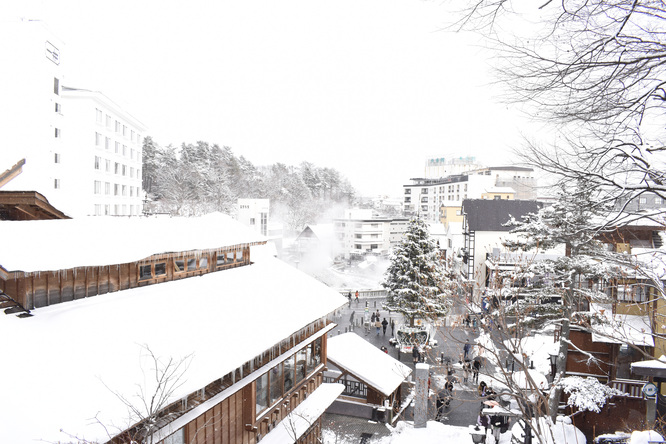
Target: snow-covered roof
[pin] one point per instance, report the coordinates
(70, 358)
(304, 415)
(43, 245)
(621, 328)
(366, 362)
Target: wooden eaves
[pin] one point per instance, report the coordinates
(27, 205)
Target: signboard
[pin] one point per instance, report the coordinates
(649, 390)
(52, 53)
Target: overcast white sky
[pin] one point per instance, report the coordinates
(369, 87)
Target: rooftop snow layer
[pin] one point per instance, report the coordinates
(44, 245)
(366, 362)
(69, 359)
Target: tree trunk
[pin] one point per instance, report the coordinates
(561, 362)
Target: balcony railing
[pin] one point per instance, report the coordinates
(633, 388)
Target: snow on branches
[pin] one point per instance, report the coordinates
(587, 394)
(415, 277)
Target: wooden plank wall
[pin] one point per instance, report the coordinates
(223, 424)
(36, 290)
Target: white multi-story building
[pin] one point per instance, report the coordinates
(32, 118)
(360, 233)
(101, 155)
(426, 197)
(82, 151)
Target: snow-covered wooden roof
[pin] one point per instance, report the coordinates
(69, 359)
(43, 245)
(366, 362)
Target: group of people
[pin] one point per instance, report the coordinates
(375, 320)
(349, 296)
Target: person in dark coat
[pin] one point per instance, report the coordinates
(372, 318)
(384, 325)
(392, 327)
(416, 355)
(351, 320)
(466, 349)
(443, 400)
(476, 366)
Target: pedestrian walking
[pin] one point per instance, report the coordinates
(392, 327)
(372, 319)
(466, 349)
(384, 325)
(377, 315)
(351, 320)
(467, 369)
(476, 366)
(356, 297)
(483, 420)
(378, 325)
(349, 297)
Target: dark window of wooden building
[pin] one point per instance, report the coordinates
(288, 374)
(145, 272)
(262, 393)
(160, 269)
(276, 383)
(301, 365)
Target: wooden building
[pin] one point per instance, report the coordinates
(238, 337)
(372, 379)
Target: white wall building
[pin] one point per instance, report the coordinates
(82, 151)
(425, 196)
(360, 233)
(101, 155)
(254, 213)
(32, 117)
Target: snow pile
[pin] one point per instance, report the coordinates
(434, 433)
(562, 432)
(72, 357)
(645, 437)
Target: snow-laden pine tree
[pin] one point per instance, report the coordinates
(415, 278)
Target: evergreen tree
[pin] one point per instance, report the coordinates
(576, 221)
(415, 277)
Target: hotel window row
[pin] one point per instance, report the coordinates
(118, 168)
(118, 210)
(118, 189)
(118, 148)
(116, 126)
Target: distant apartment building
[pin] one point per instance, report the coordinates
(83, 163)
(427, 197)
(361, 233)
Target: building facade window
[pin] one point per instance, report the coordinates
(56, 184)
(97, 162)
(98, 115)
(57, 133)
(56, 157)
(56, 85)
(98, 187)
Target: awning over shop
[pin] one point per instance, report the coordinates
(652, 367)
